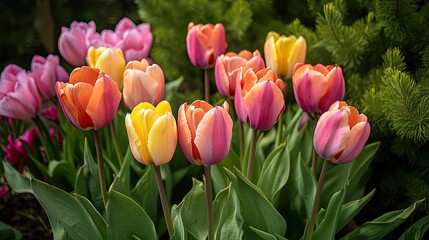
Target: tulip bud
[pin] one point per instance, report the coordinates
(204, 132)
(152, 133)
(143, 83)
(317, 88)
(259, 98)
(90, 99)
(205, 43)
(341, 133)
(282, 53)
(228, 66)
(110, 60)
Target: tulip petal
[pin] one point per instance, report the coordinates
(218, 41)
(296, 54)
(309, 87)
(240, 107)
(358, 136)
(270, 51)
(335, 91)
(184, 133)
(135, 143)
(221, 77)
(162, 139)
(284, 46)
(163, 108)
(138, 87)
(198, 52)
(84, 74)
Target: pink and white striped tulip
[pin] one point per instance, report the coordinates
(317, 87)
(205, 43)
(228, 66)
(259, 98)
(204, 132)
(341, 133)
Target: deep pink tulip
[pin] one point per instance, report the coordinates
(19, 97)
(16, 151)
(317, 87)
(228, 66)
(204, 132)
(259, 98)
(341, 133)
(73, 43)
(205, 43)
(4, 190)
(50, 112)
(47, 72)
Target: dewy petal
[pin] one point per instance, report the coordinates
(331, 134)
(162, 139)
(135, 144)
(184, 133)
(213, 136)
(358, 137)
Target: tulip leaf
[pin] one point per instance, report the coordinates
(145, 193)
(190, 216)
(8, 232)
(19, 183)
(220, 178)
(58, 169)
(381, 226)
(417, 230)
(351, 209)
(228, 218)
(262, 234)
(95, 215)
(274, 173)
(125, 219)
(125, 171)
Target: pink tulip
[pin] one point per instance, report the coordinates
(107, 38)
(50, 113)
(341, 133)
(228, 66)
(73, 43)
(19, 97)
(204, 132)
(259, 99)
(16, 150)
(316, 88)
(143, 83)
(4, 190)
(205, 43)
(47, 72)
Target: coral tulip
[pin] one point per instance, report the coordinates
(73, 43)
(341, 133)
(90, 99)
(282, 53)
(205, 43)
(143, 83)
(228, 66)
(47, 72)
(152, 133)
(259, 98)
(317, 88)
(19, 97)
(204, 132)
(109, 60)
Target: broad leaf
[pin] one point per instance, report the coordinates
(145, 193)
(417, 230)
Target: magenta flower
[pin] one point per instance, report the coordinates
(341, 133)
(50, 113)
(4, 190)
(16, 151)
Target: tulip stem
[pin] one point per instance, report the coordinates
(206, 85)
(251, 155)
(279, 130)
(209, 194)
(116, 144)
(100, 161)
(163, 199)
(310, 226)
(241, 133)
(314, 154)
(47, 142)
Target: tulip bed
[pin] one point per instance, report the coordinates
(113, 149)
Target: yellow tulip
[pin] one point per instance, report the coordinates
(152, 133)
(110, 60)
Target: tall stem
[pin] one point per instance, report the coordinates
(241, 133)
(163, 199)
(279, 130)
(251, 155)
(310, 227)
(100, 162)
(314, 154)
(209, 194)
(116, 144)
(206, 85)
(46, 139)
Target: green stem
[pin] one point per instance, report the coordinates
(100, 161)
(46, 139)
(241, 133)
(310, 227)
(279, 130)
(314, 154)
(118, 151)
(206, 85)
(209, 193)
(251, 155)
(163, 199)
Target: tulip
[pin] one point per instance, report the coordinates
(341, 133)
(47, 72)
(317, 88)
(205, 43)
(228, 66)
(204, 132)
(19, 97)
(152, 133)
(51, 113)
(282, 53)
(73, 43)
(143, 83)
(110, 60)
(136, 40)
(259, 99)
(16, 151)
(4, 190)
(90, 99)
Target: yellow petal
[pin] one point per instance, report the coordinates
(162, 139)
(284, 46)
(135, 144)
(143, 105)
(163, 108)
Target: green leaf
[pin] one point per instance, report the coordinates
(125, 171)
(220, 178)
(228, 218)
(126, 219)
(60, 169)
(191, 214)
(18, 182)
(262, 234)
(382, 225)
(351, 209)
(417, 230)
(95, 215)
(275, 173)
(8, 232)
(145, 193)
